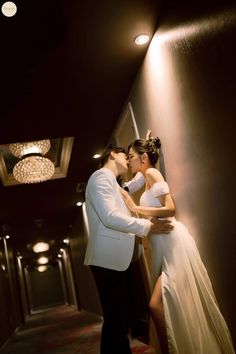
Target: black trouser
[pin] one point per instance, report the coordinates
(115, 293)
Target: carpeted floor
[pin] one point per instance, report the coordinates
(62, 329)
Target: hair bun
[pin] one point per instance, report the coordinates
(155, 142)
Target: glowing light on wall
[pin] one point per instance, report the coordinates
(204, 26)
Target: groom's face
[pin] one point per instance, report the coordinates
(135, 162)
(121, 162)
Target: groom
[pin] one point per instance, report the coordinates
(110, 247)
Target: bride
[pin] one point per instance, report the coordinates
(183, 305)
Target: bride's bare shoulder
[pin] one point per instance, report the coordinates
(153, 175)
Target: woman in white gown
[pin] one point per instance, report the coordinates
(183, 305)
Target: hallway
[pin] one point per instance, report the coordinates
(74, 82)
(62, 329)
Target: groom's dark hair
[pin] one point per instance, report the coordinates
(107, 151)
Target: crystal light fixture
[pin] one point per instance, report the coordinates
(32, 167)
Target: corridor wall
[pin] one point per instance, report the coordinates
(10, 310)
(185, 93)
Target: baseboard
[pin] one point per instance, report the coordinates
(9, 339)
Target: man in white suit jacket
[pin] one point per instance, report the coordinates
(110, 247)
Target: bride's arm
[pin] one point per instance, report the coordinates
(168, 209)
(135, 183)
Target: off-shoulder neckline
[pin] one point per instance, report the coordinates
(154, 184)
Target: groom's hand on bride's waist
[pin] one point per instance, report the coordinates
(161, 226)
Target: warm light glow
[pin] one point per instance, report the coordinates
(33, 169)
(211, 24)
(41, 247)
(141, 39)
(79, 203)
(96, 156)
(66, 241)
(7, 236)
(42, 260)
(163, 92)
(3, 267)
(37, 147)
(59, 256)
(42, 268)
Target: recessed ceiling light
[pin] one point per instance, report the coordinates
(141, 39)
(41, 247)
(42, 268)
(42, 260)
(9, 9)
(96, 156)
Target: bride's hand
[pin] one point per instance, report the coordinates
(128, 200)
(148, 134)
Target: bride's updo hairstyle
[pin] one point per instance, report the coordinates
(150, 146)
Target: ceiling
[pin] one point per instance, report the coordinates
(66, 69)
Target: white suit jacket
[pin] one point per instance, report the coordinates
(112, 229)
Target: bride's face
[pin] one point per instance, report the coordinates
(135, 162)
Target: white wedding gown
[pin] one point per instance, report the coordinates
(194, 322)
